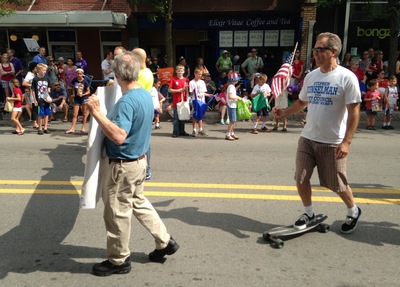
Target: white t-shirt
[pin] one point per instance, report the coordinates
(392, 96)
(231, 90)
(154, 97)
(200, 88)
(105, 65)
(29, 77)
(261, 89)
(327, 95)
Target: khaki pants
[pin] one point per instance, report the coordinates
(122, 196)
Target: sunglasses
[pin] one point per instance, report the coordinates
(320, 49)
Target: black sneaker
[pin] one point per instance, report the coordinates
(106, 268)
(158, 255)
(303, 221)
(46, 131)
(40, 132)
(350, 223)
(390, 127)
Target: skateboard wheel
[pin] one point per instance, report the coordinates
(278, 243)
(323, 228)
(266, 236)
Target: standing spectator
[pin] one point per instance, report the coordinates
(379, 59)
(383, 83)
(106, 66)
(17, 110)
(61, 72)
(81, 93)
(333, 97)
(251, 66)
(355, 68)
(298, 69)
(150, 64)
(52, 71)
(27, 103)
(178, 86)
(41, 57)
(80, 63)
(182, 61)
(372, 98)
(127, 129)
(17, 65)
(27, 82)
(224, 62)
(365, 61)
(158, 99)
(198, 91)
(200, 65)
(162, 61)
(70, 73)
(232, 98)
(262, 88)
(59, 97)
(7, 73)
(391, 97)
(346, 60)
(41, 89)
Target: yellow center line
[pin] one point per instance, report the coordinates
(205, 186)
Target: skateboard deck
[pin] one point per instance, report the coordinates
(274, 235)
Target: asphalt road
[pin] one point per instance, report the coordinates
(215, 197)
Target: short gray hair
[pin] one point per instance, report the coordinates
(126, 66)
(333, 41)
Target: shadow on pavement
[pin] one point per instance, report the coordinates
(36, 244)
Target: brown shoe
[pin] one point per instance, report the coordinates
(265, 129)
(229, 138)
(254, 131)
(235, 137)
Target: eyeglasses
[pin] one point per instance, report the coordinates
(55, 85)
(320, 49)
(254, 51)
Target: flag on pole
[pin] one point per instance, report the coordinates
(281, 79)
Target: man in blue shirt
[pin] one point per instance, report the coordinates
(41, 57)
(127, 129)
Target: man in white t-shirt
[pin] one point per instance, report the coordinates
(333, 97)
(106, 64)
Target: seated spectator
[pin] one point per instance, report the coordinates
(59, 96)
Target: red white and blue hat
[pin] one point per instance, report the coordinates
(232, 77)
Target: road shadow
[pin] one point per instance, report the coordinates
(37, 243)
(231, 223)
(372, 233)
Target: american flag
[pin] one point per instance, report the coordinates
(281, 79)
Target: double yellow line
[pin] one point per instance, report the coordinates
(207, 190)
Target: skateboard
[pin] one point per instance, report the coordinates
(274, 235)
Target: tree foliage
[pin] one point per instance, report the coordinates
(6, 6)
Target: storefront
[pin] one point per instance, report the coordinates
(63, 33)
(206, 36)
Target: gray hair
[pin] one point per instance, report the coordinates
(333, 41)
(126, 66)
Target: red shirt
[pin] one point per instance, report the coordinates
(376, 95)
(297, 67)
(359, 73)
(17, 91)
(175, 84)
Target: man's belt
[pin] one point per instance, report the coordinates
(125, 160)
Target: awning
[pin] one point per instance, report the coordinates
(64, 19)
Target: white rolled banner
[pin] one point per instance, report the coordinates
(96, 158)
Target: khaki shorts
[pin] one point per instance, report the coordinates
(331, 171)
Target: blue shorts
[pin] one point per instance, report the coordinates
(44, 111)
(78, 101)
(232, 114)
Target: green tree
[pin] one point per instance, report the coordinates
(162, 9)
(391, 13)
(6, 6)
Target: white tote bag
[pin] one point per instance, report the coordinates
(183, 109)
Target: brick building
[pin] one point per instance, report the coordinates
(200, 29)
(64, 27)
